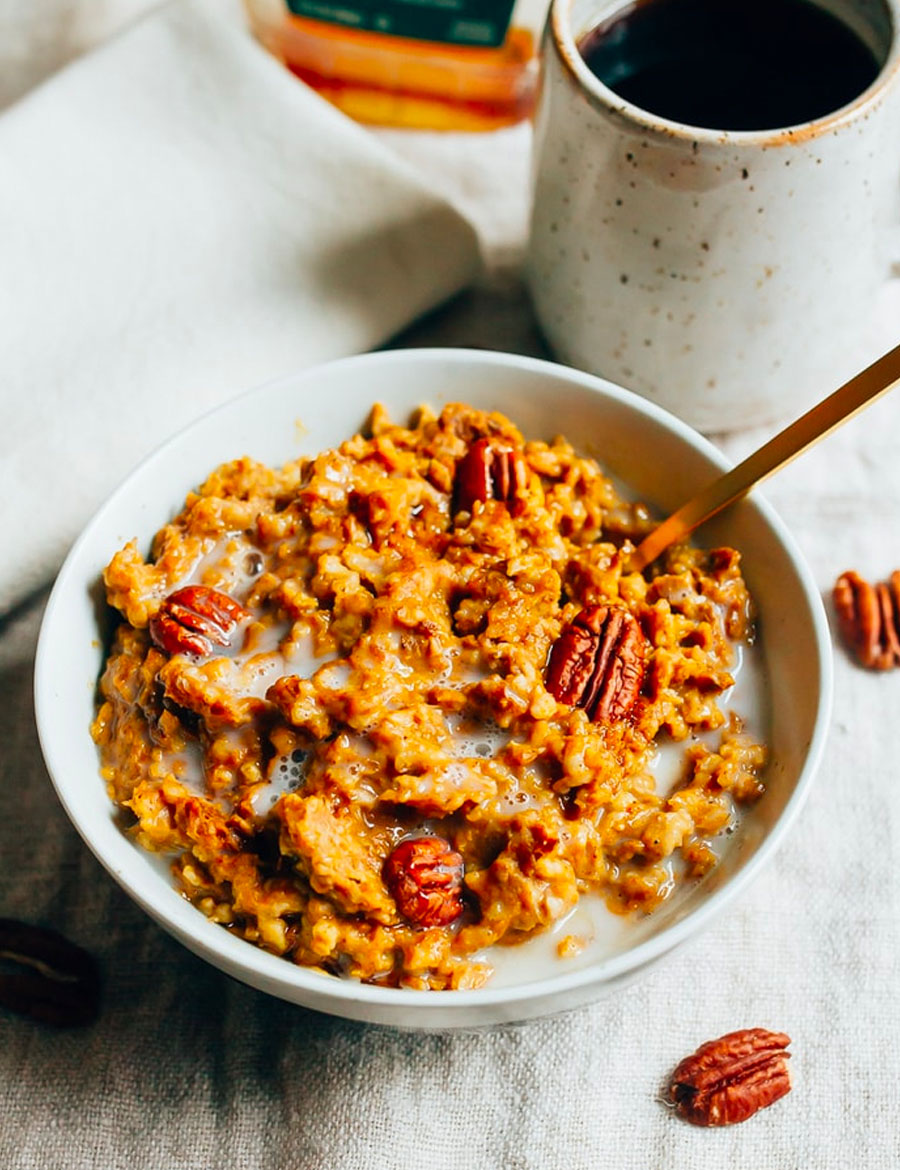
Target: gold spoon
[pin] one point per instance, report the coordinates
(862, 390)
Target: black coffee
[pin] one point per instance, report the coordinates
(731, 64)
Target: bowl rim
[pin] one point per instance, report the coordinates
(272, 973)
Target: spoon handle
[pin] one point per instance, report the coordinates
(862, 390)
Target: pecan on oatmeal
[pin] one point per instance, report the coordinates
(598, 663)
(490, 471)
(425, 877)
(194, 619)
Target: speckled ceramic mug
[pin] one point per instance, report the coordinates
(727, 275)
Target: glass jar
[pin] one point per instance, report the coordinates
(439, 64)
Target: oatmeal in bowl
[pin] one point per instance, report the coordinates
(395, 708)
(399, 702)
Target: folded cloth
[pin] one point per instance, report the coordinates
(180, 219)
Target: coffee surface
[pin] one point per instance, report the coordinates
(731, 64)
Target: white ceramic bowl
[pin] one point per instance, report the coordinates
(660, 458)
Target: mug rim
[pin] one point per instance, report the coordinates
(606, 100)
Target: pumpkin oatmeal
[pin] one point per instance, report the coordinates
(402, 701)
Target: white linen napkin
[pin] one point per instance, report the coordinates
(181, 219)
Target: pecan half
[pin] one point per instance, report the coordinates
(869, 617)
(424, 876)
(597, 663)
(490, 470)
(192, 619)
(728, 1080)
(45, 976)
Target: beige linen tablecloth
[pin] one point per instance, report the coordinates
(187, 1068)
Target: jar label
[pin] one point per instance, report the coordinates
(457, 22)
